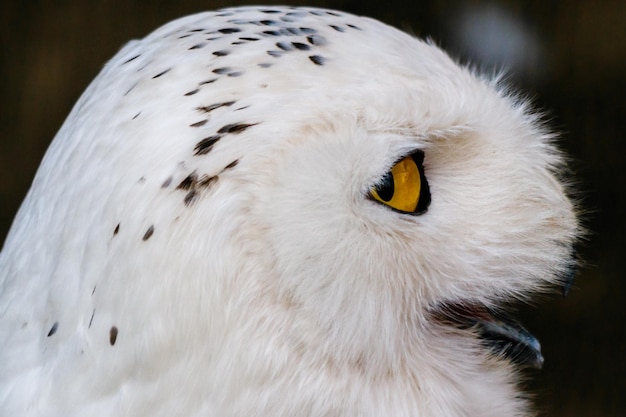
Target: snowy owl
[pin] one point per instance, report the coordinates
(282, 212)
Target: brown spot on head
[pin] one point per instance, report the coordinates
(190, 197)
(235, 128)
(188, 182)
(232, 164)
(205, 145)
(211, 107)
(113, 335)
(206, 181)
(148, 233)
(199, 123)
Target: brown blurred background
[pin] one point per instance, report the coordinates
(569, 56)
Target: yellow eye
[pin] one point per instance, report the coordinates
(404, 188)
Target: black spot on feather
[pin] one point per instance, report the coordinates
(116, 230)
(197, 46)
(317, 60)
(271, 33)
(207, 181)
(316, 40)
(161, 73)
(188, 182)
(222, 52)
(222, 70)
(301, 46)
(296, 14)
(113, 335)
(235, 128)
(148, 233)
(190, 197)
(285, 46)
(211, 107)
(291, 31)
(131, 59)
(192, 92)
(53, 329)
(198, 124)
(229, 30)
(205, 145)
(232, 164)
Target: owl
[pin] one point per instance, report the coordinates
(278, 211)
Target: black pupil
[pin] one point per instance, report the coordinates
(385, 188)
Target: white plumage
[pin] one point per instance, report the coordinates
(202, 238)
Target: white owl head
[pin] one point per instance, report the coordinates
(278, 212)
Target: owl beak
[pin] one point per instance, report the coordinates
(503, 336)
(508, 338)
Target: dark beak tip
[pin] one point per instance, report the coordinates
(537, 364)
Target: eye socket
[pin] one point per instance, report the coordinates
(404, 188)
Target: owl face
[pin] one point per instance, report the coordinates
(487, 220)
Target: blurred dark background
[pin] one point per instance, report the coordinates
(569, 56)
